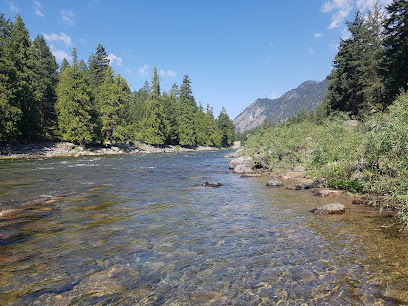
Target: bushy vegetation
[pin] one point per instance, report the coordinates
(371, 157)
(89, 102)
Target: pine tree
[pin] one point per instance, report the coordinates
(113, 94)
(227, 129)
(10, 113)
(25, 97)
(97, 65)
(45, 69)
(186, 110)
(74, 105)
(396, 55)
(64, 65)
(154, 124)
(355, 84)
(211, 128)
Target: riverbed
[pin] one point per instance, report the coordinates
(140, 229)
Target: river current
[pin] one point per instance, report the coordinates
(140, 229)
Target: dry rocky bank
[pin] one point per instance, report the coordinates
(49, 149)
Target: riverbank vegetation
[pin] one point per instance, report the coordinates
(357, 139)
(89, 103)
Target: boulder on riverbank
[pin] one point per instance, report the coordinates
(329, 209)
(273, 182)
(241, 165)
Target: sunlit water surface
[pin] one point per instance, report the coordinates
(139, 229)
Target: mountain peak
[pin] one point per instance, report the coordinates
(309, 95)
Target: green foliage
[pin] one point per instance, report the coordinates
(227, 129)
(74, 106)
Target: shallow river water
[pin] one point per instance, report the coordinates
(139, 229)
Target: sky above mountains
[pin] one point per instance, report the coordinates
(234, 51)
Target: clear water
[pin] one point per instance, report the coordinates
(138, 229)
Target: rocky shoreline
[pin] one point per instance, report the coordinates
(296, 180)
(50, 149)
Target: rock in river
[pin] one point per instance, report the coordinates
(273, 182)
(212, 184)
(329, 209)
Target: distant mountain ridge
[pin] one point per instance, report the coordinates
(308, 95)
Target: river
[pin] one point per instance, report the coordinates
(139, 229)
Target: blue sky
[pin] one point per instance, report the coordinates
(234, 51)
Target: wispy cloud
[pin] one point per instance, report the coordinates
(340, 9)
(61, 37)
(13, 7)
(59, 54)
(67, 17)
(37, 6)
(113, 58)
(168, 72)
(318, 35)
(144, 71)
(364, 5)
(268, 60)
(310, 51)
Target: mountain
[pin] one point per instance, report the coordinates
(308, 95)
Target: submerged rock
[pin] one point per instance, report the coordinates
(329, 209)
(251, 175)
(326, 192)
(212, 184)
(300, 187)
(273, 182)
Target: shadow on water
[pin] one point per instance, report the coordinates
(142, 230)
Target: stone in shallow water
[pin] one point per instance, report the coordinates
(273, 182)
(251, 175)
(212, 184)
(329, 209)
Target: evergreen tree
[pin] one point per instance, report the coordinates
(10, 112)
(396, 55)
(154, 124)
(200, 126)
(355, 85)
(25, 96)
(64, 65)
(45, 69)
(113, 94)
(227, 129)
(97, 65)
(74, 105)
(211, 128)
(185, 111)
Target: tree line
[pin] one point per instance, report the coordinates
(88, 102)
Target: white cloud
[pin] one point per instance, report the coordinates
(274, 95)
(268, 60)
(38, 12)
(340, 9)
(143, 71)
(55, 37)
(364, 5)
(59, 54)
(129, 71)
(168, 72)
(37, 6)
(13, 7)
(318, 35)
(112, 57)
(345, 34)
(67, 17)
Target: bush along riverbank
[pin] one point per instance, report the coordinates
(368, 156)
(49, 149)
